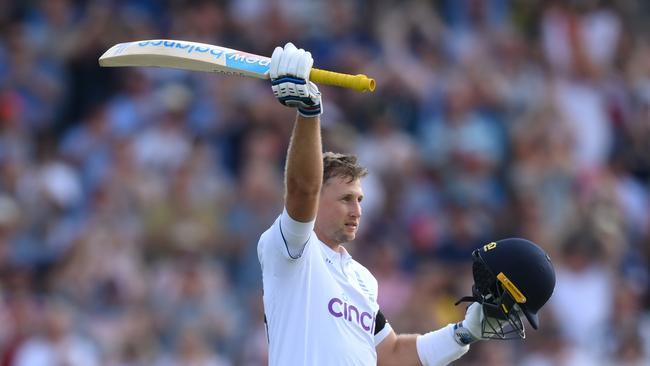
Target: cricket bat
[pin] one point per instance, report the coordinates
(205, 57)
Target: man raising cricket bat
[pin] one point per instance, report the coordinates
(320, 304)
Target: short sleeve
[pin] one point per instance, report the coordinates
(285, 239)
(382, 327)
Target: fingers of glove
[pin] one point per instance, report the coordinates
(296, 59)
(304, 67)
(301, 65)
(288, 54)
(473, 319)
(275, 62)
(290, 47)
(474, 312)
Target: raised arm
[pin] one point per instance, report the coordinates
(289, 73)
(304, 169)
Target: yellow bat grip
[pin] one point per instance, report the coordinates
(358, 82)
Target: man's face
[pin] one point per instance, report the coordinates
(339, 210)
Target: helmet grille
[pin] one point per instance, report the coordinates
(502, 319)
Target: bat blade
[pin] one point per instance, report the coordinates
(187, 56)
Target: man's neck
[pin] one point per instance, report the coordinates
(337, 247)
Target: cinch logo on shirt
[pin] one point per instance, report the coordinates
(341, 309)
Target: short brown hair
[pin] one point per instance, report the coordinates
(342, 165)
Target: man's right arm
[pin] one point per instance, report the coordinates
(289, 71)
(304, 169)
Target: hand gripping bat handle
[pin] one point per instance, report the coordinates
(358, 82)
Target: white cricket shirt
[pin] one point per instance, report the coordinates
(320, 305)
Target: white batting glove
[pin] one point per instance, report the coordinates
(470, 330)
(289, 72)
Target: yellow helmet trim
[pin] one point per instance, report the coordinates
(511, 288)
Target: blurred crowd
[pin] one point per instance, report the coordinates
(131, 199)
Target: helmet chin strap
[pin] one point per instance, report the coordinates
(476, 297)
(467, 299)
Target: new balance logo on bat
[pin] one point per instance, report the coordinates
(235, 56)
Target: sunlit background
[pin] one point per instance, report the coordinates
(131, 200)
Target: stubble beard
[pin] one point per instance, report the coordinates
(341, 237)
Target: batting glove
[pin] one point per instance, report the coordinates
(469, 330)
(289, 72)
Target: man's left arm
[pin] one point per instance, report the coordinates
(398, 350)
(439, 347)
(431, 349)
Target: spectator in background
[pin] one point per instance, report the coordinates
(59, 343)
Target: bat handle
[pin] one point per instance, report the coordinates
(358, 82)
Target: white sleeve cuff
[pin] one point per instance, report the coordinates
(439, 347)
(383, 333)
(295, 234)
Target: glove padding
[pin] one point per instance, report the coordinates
(289, 72)
(469, 330)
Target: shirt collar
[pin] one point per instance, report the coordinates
(344, 256)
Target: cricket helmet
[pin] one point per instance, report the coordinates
(511, 277)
